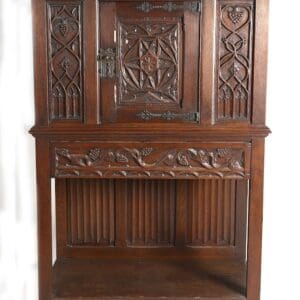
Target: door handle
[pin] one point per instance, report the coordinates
(107, 63)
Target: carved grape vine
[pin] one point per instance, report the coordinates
(148, 161)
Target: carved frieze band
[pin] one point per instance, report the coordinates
(65, 61)
(151, 162)
(235, 25)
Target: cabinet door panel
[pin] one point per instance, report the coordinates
(148, 64)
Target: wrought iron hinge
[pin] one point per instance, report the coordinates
(168, 116)
(194, 6)
(107, 62)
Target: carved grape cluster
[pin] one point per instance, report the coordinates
(146, 151)
(235, 14)
(94, 154)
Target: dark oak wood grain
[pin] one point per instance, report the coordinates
(150, 279)
(91, 81)
(255, 221)
(44, 219)
(169, 161)
(136, 218)
(127, 95)
(65, 61)
(153, 60)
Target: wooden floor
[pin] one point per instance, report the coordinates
(148, 279)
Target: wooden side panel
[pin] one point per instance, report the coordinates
(235, 68)
(91, 212)
(211, 212)
(65, 59)
(150, 208)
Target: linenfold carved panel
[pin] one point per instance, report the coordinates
(150, 57)
(90, 212)
(211, 210)
(65, 61)
(150, 213)
(151, 162)
(235, 60)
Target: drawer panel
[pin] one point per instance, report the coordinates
(150, 160)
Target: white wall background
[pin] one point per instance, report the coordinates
(18, 278)
(281, 243)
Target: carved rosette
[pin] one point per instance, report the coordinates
(149, 61)
(65, 61)
(150, 162)
(235, 61)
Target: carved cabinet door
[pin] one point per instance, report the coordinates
(149, 61)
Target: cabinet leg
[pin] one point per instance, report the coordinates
(44, 218)
(255, 220)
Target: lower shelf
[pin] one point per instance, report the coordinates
(148, 279)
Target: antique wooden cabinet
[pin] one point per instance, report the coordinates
(150, 128)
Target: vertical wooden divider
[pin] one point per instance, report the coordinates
(90, 45)
(120, 212)
(181, 206)
(44, 218)
(255, 220)
(207, 59)
(61, 216)
(260, 62)
(241, 217)
(106, 40)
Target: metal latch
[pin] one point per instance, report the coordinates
(168, 116)
(194, 6)
(107, 62)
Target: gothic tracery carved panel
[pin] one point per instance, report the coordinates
(65, 61)
(150, 57)
(235, 60)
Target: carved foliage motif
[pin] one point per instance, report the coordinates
(149, 62)
(151, 162)
(65, 59)
(235, 61)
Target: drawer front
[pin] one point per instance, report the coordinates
(150, 160)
